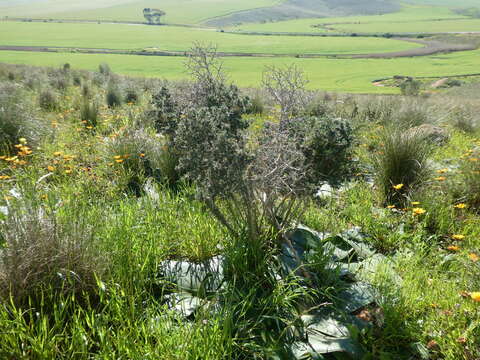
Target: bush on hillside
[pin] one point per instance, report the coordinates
(411, 87)
(328, 149)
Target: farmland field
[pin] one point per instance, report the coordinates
(355, 75)
(170, 38)
(178, 11)
(336, 74)
(405, 16)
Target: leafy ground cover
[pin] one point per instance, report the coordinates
(85, 226)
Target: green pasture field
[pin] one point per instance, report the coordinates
(170, 38)
(342, 75)
(178, 11)
(436, 26)
(409, 13)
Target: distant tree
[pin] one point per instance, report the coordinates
(153, 16)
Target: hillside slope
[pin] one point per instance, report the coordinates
(292, 9)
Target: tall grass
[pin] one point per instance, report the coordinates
(401, 165)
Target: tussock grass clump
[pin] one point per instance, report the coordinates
(113, 96)
(48, 100)
(401, 165)
(18, 118)
(470, 170)
(465, 119)
(44, 253)
(89, 114)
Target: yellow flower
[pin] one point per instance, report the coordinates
(119, 161)
(57, 153)
(68, 171)
(4, 177)
(442, 171)
(398, 186)
(458, 237)
(415, 203)
(116, 157)
(51, 168)
(418, 211)
(22, 140)
(391, 207)
(473, 159)
(142, 155)
(8, 198)
(460, 206)
(453, 248)
(440, 178)
(475, 296)
(474, 257)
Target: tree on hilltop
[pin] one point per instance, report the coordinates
(153, 16)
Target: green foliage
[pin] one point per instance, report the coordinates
(164, 112)
(256, 106)
(328, 149)
(411, 87)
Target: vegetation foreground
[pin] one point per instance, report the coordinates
(145, 219)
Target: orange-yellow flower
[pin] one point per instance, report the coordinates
(116, 157)
(391, 207)
(142, 155)
(474, 257)
(475, 296)
(4, 177)
(51, 168)
(453, 248)
(398, 186)
(458, 237)
(57, 153)
(119, 161)
(460, 206)
(418, 211)
(440, 178)
(442, 171)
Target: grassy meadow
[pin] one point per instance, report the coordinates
(342, 75)
(406, 15)
(170, 38)
(201, 206)
(92, 208)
